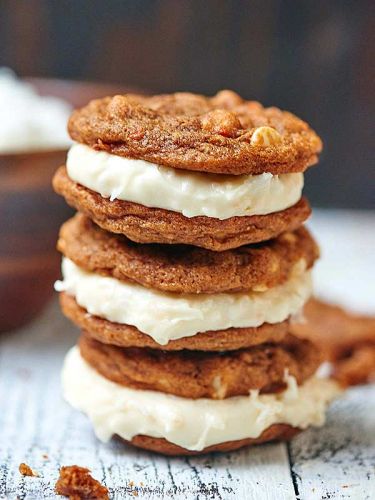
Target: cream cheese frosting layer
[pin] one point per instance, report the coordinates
(189, 193)
(192, 424)
(167, 316)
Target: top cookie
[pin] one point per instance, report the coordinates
(224, 134)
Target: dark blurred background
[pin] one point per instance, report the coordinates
(315, 58)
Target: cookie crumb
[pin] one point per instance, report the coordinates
(26, 470)
(76, 483)
(221, 122)
(45, 456)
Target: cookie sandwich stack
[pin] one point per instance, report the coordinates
(184, 266)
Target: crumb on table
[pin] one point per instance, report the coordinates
(26, 470)
(76, 483)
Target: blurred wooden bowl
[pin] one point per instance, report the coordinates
(31, 214)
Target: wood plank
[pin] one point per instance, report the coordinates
(338, 461)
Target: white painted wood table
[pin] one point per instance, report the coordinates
(335, 462)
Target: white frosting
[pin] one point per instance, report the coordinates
(29, 122)
(190, 193)
(168, 316)
(192, 424)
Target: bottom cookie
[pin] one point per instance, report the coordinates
(276, 432)
(175, 425)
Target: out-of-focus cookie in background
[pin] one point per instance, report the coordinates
(345, 339)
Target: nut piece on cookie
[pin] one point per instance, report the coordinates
(227, 99)
(221, 122)
(76, 482)
(118, 106)
(265, 136)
